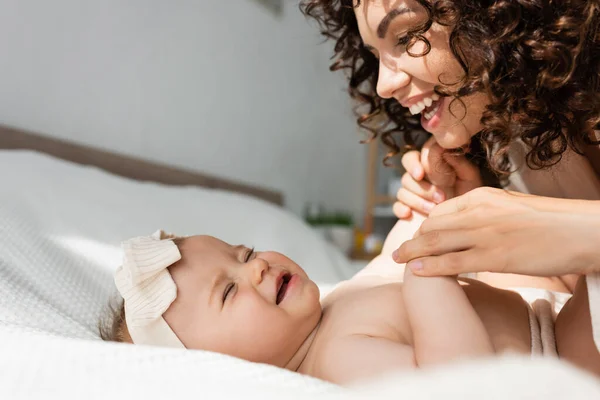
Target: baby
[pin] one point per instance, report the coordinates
(199, 292)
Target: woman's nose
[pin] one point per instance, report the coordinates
(390, 80)
(257, 269)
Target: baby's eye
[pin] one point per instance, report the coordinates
(249, 254)
(228, 289)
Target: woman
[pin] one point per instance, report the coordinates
(501, 93)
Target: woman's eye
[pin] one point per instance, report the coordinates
(249, 254)
(227, 291)
(402, 40)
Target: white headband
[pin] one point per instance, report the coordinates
(148, 288)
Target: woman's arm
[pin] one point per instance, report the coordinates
(444, 324)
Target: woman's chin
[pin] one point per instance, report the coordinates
(449, 141)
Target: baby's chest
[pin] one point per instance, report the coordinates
(372, 311)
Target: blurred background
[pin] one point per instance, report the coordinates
(237, 89)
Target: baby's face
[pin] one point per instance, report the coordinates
(259, 306)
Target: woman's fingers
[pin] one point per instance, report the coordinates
(477, 199)
(449, 264)
(401, 211)
(423, 189)
(411, 162)
(458, 204)
(415, 202)
(433, 243)
(420, 196)
(454, 222)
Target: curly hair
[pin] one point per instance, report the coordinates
(538, 61)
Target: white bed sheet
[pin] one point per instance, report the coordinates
(60, 228)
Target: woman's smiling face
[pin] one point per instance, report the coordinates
(383, 25)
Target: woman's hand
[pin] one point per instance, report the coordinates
(499, 231)
(433, 176)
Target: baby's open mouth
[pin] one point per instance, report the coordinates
(283, 285)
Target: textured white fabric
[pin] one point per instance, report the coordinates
(147, 288)
(60, 226)
(39, 367)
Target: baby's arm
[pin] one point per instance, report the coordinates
(444, 324)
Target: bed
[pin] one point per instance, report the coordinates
(64, 208)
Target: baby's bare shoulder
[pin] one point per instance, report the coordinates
(364, 330)
(368, 305)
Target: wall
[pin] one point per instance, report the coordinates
(222, 87)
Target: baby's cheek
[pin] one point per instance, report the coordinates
(261, 334)
(274, 258)
(252, 311)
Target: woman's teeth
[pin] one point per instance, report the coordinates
(431, 113)
(426, 102)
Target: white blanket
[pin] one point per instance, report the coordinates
(34, 366)
(60, 226)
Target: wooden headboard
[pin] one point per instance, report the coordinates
(129, 167)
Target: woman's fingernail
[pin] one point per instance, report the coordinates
(415, 265)
(405, 211)
(416, 172)
(438, 197)
(395, 255)
(427, 206)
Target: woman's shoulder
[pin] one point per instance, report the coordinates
(574, 177)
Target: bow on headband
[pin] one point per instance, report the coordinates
(148, 288)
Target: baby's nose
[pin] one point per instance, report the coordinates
(258, 268)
